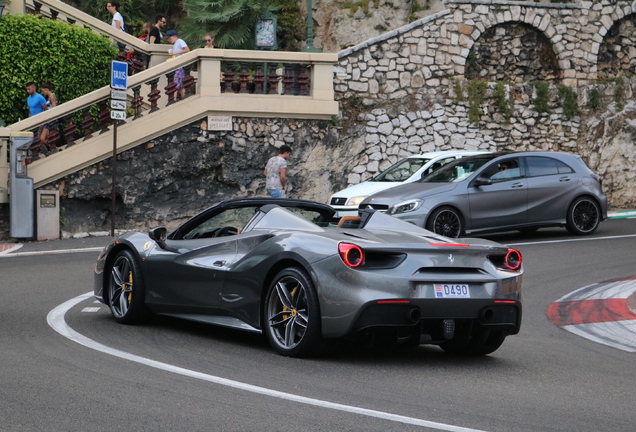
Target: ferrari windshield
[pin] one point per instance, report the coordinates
(401, 171)
(458, 170)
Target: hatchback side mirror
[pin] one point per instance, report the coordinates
(482, 181)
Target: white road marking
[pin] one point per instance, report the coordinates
(573, 240)
(53, 252)
(56, 320)
(617, 334)
(91, 309)
(11, 249)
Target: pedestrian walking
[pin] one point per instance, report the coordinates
(118, 20)
(179, 47)
(155, 31)
(276, 173)
(46, 88)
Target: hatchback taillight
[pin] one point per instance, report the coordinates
(597, 178)
(352, 255)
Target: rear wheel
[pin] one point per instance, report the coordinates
(126, 289)
(484, 343)
(446, 221)
(583, 216)
(292, 315)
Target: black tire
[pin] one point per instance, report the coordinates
(291, 315)
(126, 289)
(583, 216)
(446, 221)
(485, 343)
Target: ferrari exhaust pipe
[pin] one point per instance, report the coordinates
(486, 315)
(413, 315)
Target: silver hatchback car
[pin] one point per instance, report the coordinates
(500, 192)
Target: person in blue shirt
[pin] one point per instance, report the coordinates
(35, 101)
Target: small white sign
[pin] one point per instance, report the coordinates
(118, 104)
(118, 115)
(219, 123)
(118, 94)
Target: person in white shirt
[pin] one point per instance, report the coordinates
(179, 47)
(118, 20)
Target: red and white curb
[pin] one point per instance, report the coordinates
(604, 312)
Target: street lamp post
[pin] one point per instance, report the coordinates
(310, 30)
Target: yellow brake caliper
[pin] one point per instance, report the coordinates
(130, 280)
(285, 308)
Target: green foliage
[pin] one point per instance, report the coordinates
(619, 93)
(231, 22)
(74, 59)
(353, 6)
(542, 101)
(593, 99)
(459, 92)
(292, 25)
(570, 104)
(503, 103)
(135, 12)
(476, 95)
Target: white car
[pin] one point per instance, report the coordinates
(404, 171)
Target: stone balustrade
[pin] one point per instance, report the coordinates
(219, 82)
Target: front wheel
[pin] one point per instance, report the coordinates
(126, 289)
(446, 221)
(583, 216)
(292, 314)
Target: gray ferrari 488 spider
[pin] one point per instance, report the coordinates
(279, 266)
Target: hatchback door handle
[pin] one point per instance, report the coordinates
(517, 185)
(219, 263)
(564, 179)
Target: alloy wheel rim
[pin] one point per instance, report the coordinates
(121, 286)
(288, 315)
(585, 216)
(447, 224)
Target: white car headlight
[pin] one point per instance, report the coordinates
(406, 206)
(355, 200)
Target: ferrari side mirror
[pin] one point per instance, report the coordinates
(158, 234)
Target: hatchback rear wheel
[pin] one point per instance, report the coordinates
(583, 216)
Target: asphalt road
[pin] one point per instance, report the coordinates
(544, 379)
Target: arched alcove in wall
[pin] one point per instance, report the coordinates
(617, 53)
(512, 51)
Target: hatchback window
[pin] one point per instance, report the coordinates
(541, 166)
(402, 170)
(504, 170)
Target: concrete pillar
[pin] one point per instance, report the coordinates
(209, 77)
(4, 165)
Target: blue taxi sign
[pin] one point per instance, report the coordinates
(118, 75)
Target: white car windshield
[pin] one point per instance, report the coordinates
(457, 171)
(401, 171)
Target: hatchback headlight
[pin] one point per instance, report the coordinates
(355, 200)
(406, 206)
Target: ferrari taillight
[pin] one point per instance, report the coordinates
(352, 255)
(511, 261)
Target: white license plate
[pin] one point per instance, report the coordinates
(452, 291)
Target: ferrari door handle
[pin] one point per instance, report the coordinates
(218, 263)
